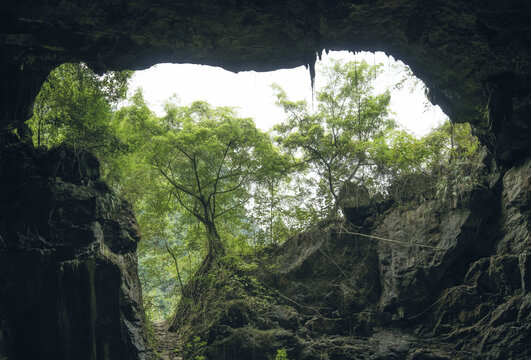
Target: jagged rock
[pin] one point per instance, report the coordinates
(68, 270)
(121, 231)
(426, 248)
(425, 281)
(356, 203)
(497, 274)
(328, 269)
(516, 210)
(68, 164)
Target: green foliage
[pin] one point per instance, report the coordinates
(457, 162)
(150, 333)
(75, 106)
(350, 138)
(192, 350)
(445, 164)
(279, 209)
(206, 183)
(234, 287)
(338, 142)
(282, 354)
(210, 159)
(189, 175)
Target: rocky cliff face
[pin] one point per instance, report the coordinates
(415, 281)
(68, 270)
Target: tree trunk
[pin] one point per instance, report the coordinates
(198, 284)
(215, 248)
(176, 263)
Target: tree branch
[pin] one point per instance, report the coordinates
(354, 172)
(216, 182)
(193, 212)
(198, 182)
(174, 183)
(232, 208)
(176, 265)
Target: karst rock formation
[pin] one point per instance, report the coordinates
(68, 280)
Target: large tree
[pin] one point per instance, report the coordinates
(192, 176)
(337, 140)
(211, 159)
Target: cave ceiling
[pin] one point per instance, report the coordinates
(474, 56)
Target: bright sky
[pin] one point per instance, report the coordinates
(252, 94)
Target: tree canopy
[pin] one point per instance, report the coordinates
(338, 140)
(75, 106)
(211, 158)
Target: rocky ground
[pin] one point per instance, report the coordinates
(410, 280)
(166, 342)
(404, 280)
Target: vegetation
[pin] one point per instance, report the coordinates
(339, 142)
(193, 349)
(208, 186)
(74, 106)
(210, 158)
(281, 354)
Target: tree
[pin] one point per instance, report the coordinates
(75, 106)
(210, 158)
(444, 164)
(279, 208)
(455, 158)
(337, 141)
(171, 246)
(196, 165)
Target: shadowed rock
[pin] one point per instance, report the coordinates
(68, 269)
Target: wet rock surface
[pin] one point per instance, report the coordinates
(68, 270)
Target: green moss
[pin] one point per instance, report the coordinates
(232, 297)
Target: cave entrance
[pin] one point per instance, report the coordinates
(172, 248)
(475, 58)
(167, 260)
(422, 146)
(220, 166)
(143, 134)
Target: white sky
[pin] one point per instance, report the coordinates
(252, 94)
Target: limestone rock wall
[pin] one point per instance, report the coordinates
(412, 281)
(516, 210)
(68, 269)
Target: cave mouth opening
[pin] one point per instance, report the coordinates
(474, 59)
(251, 92)
(177, 250)
(173, 243)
